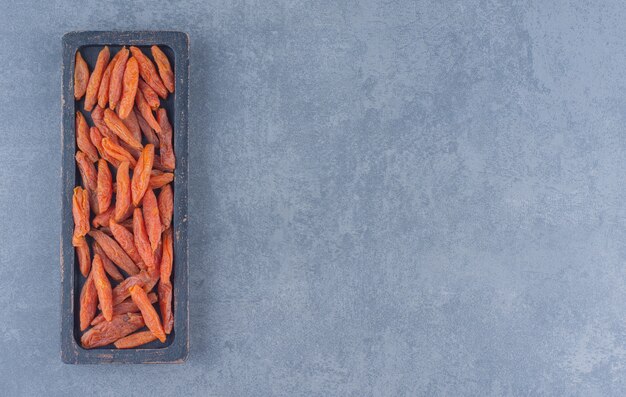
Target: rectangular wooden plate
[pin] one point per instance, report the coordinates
(176, 47)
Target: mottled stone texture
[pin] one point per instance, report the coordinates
(386, 198)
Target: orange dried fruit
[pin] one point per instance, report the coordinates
(129, 87)
(91, 96)
(81, 76)
(165, 69)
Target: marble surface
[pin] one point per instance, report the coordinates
(386, 198)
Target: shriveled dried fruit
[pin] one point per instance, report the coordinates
(132, 124)
(83, 254)
(115, 252)
(166, 205)
(141, 174)
(81, 76)
(128, 306)
(80, 212)
(151, 96)
(148, 132)
(116, 125)
(157, 164)
(146, 111)
(150, 315)
(134, 340)
(103, 286)
(167, 257)
(122, 290)
(165, 305)
(103, 91)
(142, 225)
(91, 96)
(165, 69)
(87, 171)
(129, 87)
(152, 218)
(82, 138)
(117, 77)
(165, 138)
(149, 73)
(117, 152)
(109, 331)
(109, 266)
(133, 151)
(142, 241)
(123, 197)
(150, 277)
(102, 219)
(161, 179)
(88, 303)
(125, 239)
(128, 224)
(96, 139)
(97, 115)
(158, 254)
(93, 200)
(104, 186)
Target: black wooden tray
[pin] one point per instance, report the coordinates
(175, 349)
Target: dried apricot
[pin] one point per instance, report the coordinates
(116, 125)
(91, 96)
(117, 78)
(142, 241)
(102, 219)
(115, 252)
(103, 90)
(97, 115)
(103, 286)
(128, 306)
(87, 171)
(123, 198)
(165, 138)
(151, 96)
(167, 257)
(148, 132)
(146, 111)
(80, 212)
(125, 240)
(82, 138)
(151, 218)
(88, 303)
(129, 87)
(166, 205)
(165, 69)
(104, 186)
(165, 305)
(96, 139)
(158, 179)
(150, 315)
(108, 332)
(134, 340)
(133, 124)
(117, 152)
(81, 76)
(149, 73)
(141, 174)
(122, 290)
(83, 254)
(109, 266)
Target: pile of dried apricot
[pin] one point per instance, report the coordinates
(124, 217)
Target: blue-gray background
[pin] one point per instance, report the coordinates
(386, 198)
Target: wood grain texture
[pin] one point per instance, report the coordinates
(177, 345)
